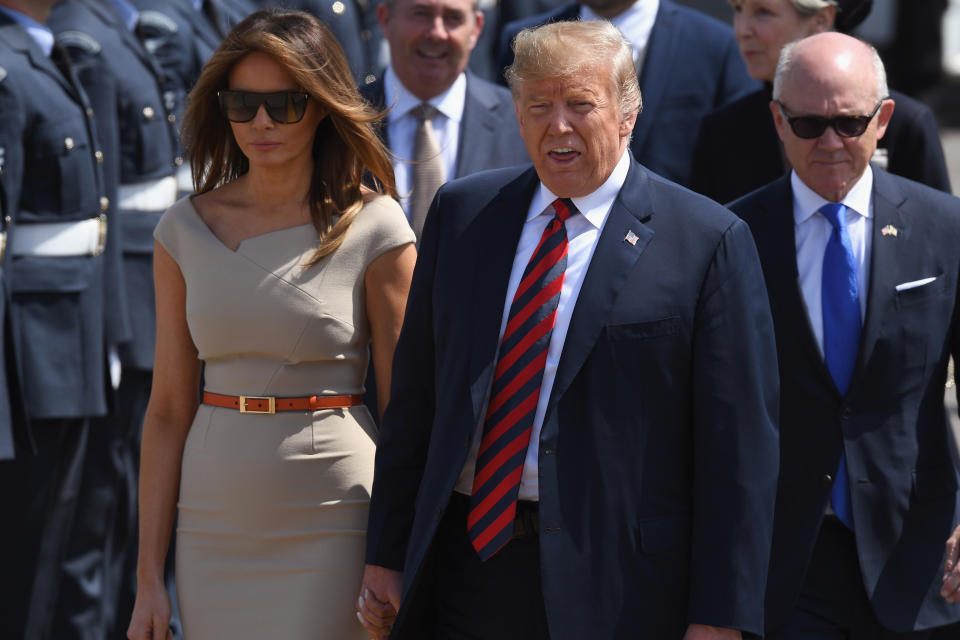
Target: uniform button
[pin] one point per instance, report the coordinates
(89, 112)
(148, 113)
(68, 143)
(104, 204)
(847, 412)
(369, 79)
(99, 156)
(827, 481)
(178, 161)
(171, 118)
(337, 7)
(365, 34)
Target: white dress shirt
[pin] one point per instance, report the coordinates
(583, 231)
(402, 128)
(812, 232)
(635, 23)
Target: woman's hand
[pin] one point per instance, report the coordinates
(151, 614)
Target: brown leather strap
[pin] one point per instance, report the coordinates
(270, 404)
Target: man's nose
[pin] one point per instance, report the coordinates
(830, 139)
(560, 120)
(438, 30)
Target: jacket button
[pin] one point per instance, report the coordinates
(369, 79)
(104, 204)
(549, 452)
(827, 481)
(337, 7)
(68, 143)
(89, 112)
(99, 156)
(172, 118)
(148, 113)
(847, 412)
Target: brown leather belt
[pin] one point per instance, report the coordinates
(270, 404)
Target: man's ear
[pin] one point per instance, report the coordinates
(883, 117)
(778, 120)
(383, 17)
(627, 123)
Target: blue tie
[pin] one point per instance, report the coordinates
(841, 330)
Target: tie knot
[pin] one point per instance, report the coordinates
(836, 213)
(424, 112)
(564, 208)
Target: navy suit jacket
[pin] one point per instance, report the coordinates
(891, 423)
(657, 462)
(692, 66)
(489, 134)
(738, 149)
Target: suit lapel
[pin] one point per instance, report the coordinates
(655, 74)
(887, 255)
(778, 248)
(612, 260)
(476, 126)
(495, 232)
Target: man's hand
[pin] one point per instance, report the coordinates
(379, 600)
(951, 569)
(703, 632)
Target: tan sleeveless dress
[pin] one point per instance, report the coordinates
(273, 508)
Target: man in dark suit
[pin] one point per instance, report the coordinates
(61, 268)
(738, 150)
(862, 272)
(688, 66)
(472, 125)
(580, 441)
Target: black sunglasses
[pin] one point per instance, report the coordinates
(810, 127)
(283, 107)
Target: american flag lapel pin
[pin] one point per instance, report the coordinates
(631, 237)
(889, 230)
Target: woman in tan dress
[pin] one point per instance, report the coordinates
(276, 277)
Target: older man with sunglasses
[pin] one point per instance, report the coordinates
(862, 273)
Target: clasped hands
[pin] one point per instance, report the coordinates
(379, 600)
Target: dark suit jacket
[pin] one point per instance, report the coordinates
(738, 149)
(658, 449)
(892, 422)
(692, 66)
(489, 135)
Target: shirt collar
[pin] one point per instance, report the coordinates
(40, 34)
(807, 202)
(641, 11)
(594, 206)
(401, 101)
(128, 13)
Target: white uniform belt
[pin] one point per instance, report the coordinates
(60, 239)
(185, 178)
(156, 195)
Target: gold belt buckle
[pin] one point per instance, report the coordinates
(101, 234)
(3, 243)
(271, 404)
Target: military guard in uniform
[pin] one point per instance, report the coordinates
(139, 137)
(58, 271)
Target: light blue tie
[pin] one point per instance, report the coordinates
(841, 330)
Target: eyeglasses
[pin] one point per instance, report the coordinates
(810, 127)
(283, 107)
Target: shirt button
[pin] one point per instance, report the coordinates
(104, 204)
(99, 156)
(827, 481)
(68, 144)
(148, 113)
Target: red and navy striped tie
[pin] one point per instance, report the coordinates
(516, 389)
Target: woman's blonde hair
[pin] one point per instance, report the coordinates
(347, 152)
